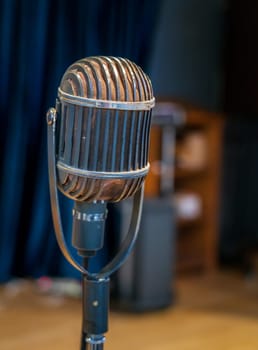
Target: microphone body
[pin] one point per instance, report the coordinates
(103, 131)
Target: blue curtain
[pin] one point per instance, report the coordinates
(39, 40)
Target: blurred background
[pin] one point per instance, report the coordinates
(202, 189)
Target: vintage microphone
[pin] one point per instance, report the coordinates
(98, 143)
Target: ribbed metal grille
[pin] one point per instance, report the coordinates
(107, 78)
(103, 140)
(118, 140)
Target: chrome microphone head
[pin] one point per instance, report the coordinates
(104, 106)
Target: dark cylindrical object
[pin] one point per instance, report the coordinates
(105, 106)
(88, 227)
(95, 306)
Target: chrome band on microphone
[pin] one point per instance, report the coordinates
(106, 104)
(103, 174)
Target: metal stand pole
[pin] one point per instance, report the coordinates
(95, 301)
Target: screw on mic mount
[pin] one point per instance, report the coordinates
(51, 116)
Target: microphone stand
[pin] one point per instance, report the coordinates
(87, 238)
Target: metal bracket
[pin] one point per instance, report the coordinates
(129, 241)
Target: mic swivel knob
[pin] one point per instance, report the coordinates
(51, 116)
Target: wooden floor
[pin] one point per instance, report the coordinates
(218, 312)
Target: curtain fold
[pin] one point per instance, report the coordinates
(39, 40)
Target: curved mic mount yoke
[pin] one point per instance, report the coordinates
(129, 241)
(95, 287)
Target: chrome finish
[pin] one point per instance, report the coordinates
(106, 104)
(103, 174)
(94, 342)
(51, 116)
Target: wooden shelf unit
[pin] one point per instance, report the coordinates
(197, 238)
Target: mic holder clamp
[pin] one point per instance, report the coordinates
(95, 285)
(95, 306)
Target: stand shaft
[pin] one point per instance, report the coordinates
(95, 302)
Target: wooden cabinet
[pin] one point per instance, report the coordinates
(196, 177)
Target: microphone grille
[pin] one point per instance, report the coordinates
(105, 106)
(107, 78)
